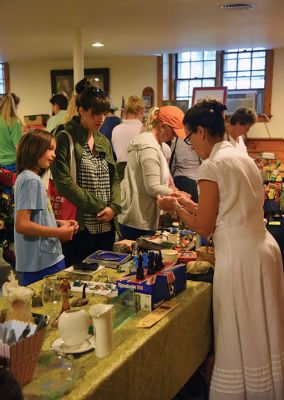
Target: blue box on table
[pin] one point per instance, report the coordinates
(154, 289)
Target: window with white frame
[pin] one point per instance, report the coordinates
(244, 75)
(243, 71)
(194, 69)
(2, 79)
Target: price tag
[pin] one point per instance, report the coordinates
(156, 315)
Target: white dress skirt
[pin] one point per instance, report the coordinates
(248, 288)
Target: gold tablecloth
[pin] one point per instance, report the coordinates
(148, 363)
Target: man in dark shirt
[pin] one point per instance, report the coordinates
(110, 122)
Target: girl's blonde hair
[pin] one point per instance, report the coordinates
(72, 108)
(133, 105)
(151, 121)
(8, 109)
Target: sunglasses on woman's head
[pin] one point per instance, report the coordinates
(98, 92)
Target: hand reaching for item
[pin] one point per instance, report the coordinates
(66, 232)
(185, 200)
(167, 203)
(106, 215)
(70, 222)
(74, 224)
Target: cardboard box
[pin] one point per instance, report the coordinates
(157, 288)
(39, 119)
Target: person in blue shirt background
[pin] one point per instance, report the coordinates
(110, 122)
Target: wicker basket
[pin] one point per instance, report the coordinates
(206, 253)
(24, 356)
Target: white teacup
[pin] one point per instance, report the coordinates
(169, 255)
(73, 326)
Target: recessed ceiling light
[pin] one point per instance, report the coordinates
(98, 44)
(238, 6)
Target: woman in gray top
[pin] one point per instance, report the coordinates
(183, 166)
(147, 174)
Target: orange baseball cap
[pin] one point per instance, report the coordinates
(172, 116)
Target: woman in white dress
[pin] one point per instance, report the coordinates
(248, 288)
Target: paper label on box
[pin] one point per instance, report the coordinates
(143, 301)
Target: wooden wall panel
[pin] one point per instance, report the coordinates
(257, 146)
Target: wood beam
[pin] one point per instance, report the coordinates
(268, 83)
(6, 77)
(159, 80)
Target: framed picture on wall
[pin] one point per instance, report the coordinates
(182, 104)
(147, 101)
(214, 92)
(62, 80)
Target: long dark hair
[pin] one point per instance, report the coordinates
(31, 148)
(90, 97)
(207, 113)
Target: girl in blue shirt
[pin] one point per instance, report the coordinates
(37, 233)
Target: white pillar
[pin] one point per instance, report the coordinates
(78, 56)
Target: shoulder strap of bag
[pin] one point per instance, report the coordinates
(172, 169)
(73, 171)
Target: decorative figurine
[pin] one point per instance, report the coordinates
(275, 174)
(140, 269)
(19, 299)
(151, 263)
(272, 202)
(282, 198)
(158, 261)
(78, 283)
(83, 301)
(135, 249)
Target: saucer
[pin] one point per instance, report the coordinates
(59, 346)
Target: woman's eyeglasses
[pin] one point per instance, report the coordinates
(187, 139)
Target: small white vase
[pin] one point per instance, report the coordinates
(73, 326)
(102, 320)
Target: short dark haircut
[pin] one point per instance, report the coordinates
(208, 114)
(10, 388)
(90, 97)
(32, 146)
(61, 100)
(243, 116)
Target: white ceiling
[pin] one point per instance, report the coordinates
(43, 29)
